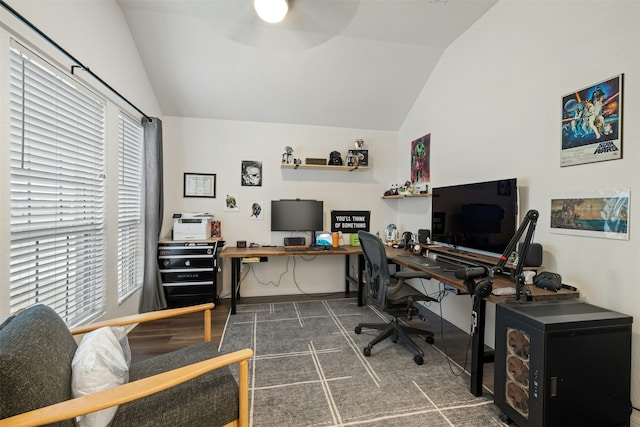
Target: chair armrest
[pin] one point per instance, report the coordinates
(153, 315)
(136, 390)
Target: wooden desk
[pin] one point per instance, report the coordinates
(444, 273)
(237, 254)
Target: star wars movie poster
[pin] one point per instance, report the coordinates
(592, 123)
(420, 159)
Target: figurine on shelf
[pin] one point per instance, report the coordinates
(350, 159)
(393, 191)
(408, 188)
(287, 155)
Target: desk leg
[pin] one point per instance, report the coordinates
(360, 277)
(347, 282)
(235, 279)
(477, 346)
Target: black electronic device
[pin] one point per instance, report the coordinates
(423, 236)
(477, 216)
(534, 255)
(241, 244)
(294, 241)
(297, 215)
(548, 280)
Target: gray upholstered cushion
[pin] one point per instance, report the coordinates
(209, 400)
(36, 349)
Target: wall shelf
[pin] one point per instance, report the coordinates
(406, 196)
(327, 167)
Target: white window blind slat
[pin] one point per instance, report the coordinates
(130, 214)
(57, 138)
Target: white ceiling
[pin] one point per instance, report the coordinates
(342, 63)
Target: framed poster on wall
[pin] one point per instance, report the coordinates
(603, 213)
(592, 123)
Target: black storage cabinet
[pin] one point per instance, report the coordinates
(562, 363)
(189, 271)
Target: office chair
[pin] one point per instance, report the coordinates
(389, 293)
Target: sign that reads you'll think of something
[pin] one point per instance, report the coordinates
(350, 221)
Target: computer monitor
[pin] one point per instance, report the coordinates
(297, 215)
(481, 217)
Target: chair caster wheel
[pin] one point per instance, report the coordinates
(358, 330)
(418, 359)
(367, 351)
(429, 339)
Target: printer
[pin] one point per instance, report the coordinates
(192, 226)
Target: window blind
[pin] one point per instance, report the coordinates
(57, 140)
(130, 214)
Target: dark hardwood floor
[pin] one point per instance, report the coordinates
(158, 337)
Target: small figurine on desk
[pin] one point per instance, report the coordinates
(391, 234)
(287, 155)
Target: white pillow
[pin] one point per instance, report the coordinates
(99, 364)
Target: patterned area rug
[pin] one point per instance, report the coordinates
(308, 370)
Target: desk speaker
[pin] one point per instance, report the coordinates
(534, 254)
(424, 235)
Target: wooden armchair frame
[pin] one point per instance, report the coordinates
(146, 386)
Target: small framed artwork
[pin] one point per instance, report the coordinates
(420, 154)
(592, 123)
(603, 213)
(199, 185)
(251, 173)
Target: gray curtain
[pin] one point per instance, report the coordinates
(152, 293)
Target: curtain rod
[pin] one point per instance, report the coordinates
(78, 64)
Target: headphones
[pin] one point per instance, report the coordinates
(407, 238)
(481, 290)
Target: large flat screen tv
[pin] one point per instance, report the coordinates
(481, 217)
(297, 215)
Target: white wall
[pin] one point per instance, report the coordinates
(95, 33)
(493, 107)
(214, 146)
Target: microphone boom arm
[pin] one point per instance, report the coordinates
(528, 224)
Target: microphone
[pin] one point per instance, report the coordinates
(471, 273)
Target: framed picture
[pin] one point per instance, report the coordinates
(420, 154)
(592, 214)
(199, 185)
(251, 173)
(363, 157)
(592, 123)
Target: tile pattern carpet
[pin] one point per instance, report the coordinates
(308, 370)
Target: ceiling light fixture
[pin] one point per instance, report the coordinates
(272, 11)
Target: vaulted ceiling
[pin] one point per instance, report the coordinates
(341, 63)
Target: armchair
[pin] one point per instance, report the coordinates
(189, 387)
(389, 293)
